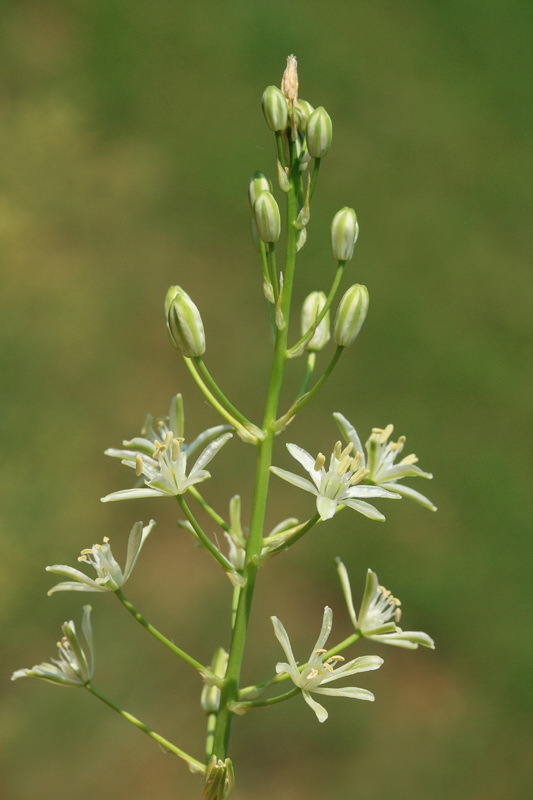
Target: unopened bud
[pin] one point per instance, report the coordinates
(267, 217)
(350, 315)
(313, 305)
(319, 133)
(258, 183)
(304, 110)
(344, 233)
(184, 323)
(275, 108)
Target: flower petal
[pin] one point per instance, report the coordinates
(327, 623)
(326, 506)
(303, 457)
(370, 491)
(361, 664)
(364, 508)
(346, 589)
(80, 577)
(348, 691)
(319, 710)
(283, 638)
(406, 491)
(132, 494)
(137, 538)
(350, 434)
(296, 480)
(210, 452)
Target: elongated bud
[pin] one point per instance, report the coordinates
(258, 183)
(184, 323)
(219, 779)
(267, 217)
(304, 111)
(313, 305)
(210, 698)
(350, 315)
(275, 108)
(319, 133)
(344, 233)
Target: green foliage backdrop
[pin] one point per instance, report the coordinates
(128, 131)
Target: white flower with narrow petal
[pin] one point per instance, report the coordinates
(155, 431)
(380, 461)
(164, 472)
(317, 671)
(338, 484)
(110, 576)
(379, 614)
(75, 665)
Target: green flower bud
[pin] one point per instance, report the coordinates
(350, 315)
(184, 323)
(344, 233)
(319, 132)
(258, 183)
(275, 108)
(267, 217)
(313, 305)
(305, 110)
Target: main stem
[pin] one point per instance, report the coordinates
(230, 689)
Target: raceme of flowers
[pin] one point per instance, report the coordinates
(381, 458)
(339, 484)
(320, 671)
(379, 614)
(110, 576)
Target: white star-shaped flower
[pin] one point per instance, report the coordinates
(110, 576)
(340, 483)
(381, 458)
(379, 614)
(74, 666)
(318, 672)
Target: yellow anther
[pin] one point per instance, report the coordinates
(312, 673)
(386, 432)
(138, 465)
(347, 450)
(319, 652)
(168, 438)
(359, 475)
(397, 615)
(82, 558)
(336, 658)
(343, 465)
(337, 450)
(319, 463)
(175, 448)
(97, 547)
(410, 459)
(106, 539)
(86, 551)
(328, 666)
(356, 460)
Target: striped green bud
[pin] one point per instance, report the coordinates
(184, 323)
(258, 183)
(344, 233)
(313, 305)
(304, 111)
(350, 315)
(267, 217)
(319, 133)
(275, 108)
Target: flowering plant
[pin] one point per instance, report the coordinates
(352, 475)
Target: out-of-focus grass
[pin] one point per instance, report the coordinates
(128, 133)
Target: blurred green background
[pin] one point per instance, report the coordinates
(128, 133)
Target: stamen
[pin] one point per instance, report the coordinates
(410, 459)
(344, 465)
(328, 666)
(386, 433)
(175, 449)
(319, 652)
(397, 615)
(312, 673)
(356, 460)
(360, 475)
(106, 539)
(86, 551)
(82, 558)
(139, 464)
(168, 438)
(347, 450)
(319, 463)
(337, 451)
(335, 658)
